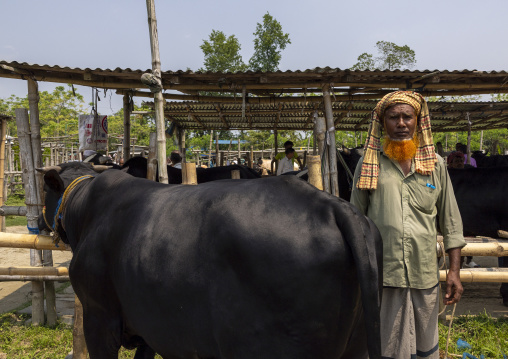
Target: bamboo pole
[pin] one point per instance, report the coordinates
(32, 212)
(251, 157)
(239, 152)
(314, 166)
(183, 151)
(57, 271)
(3, 133)
(158, 98)
(320, 131)
(32, 278)
(235, 174)
(79, 350)
(492, 249)
(276, 150)
(189, 176)
(332, 152)
(35, 136)
(32, 241)
(217, 162)
(210, 150)
(126, 127)
(474, 276)
(152, 158)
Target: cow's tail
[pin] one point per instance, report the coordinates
(364, 239)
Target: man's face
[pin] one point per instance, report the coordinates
(400, 122)
(290, 155)
(457, 162)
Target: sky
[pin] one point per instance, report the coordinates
(445, 35)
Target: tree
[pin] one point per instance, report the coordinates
(222, 54)
(269, 41)
(58, 111)
(365, 62)
(391, 56)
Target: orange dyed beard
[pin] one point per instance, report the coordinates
(400, 150)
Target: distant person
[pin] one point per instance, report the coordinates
(439, 149)
(176, 160)
(463, 148)
(280, 156)
(286, 163)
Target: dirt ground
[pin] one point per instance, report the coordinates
(14, 294)
(477, 297)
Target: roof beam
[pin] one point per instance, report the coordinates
(221, 115)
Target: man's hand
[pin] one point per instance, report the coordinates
(454, 287)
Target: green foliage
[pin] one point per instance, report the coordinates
(58, 111)
(487, 336)
(269, 41)
(390, 56)
(222, 54)
(365, 62)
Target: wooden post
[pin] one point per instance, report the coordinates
(276, 150)
(183, 147)
(79, 350)
(481, 140)
(217, 162)
(229, 149)
(239, 153)
(152, 158)
(320, 131)
(189, 176)
(210, 150)
(158, 98)
(251, 157)
(222, 158)
(126, 127)
(332, 152)
(314, 166)
(235, 174)
(47, 255)
(31, 201)
(468, 160)
(3, 134)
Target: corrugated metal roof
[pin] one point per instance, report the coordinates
(353, 82)
(349, 116)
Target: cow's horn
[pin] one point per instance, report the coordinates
(101, 168)
(48, 168)
(346, 150)
(502, 234)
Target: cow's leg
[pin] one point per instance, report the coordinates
(102, 334)
(144, 352)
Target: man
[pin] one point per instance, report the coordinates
(286, 163)
(402, 190)
(280, 156)
(176, 160)
(463, 148)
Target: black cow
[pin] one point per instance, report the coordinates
(99, 159)
(481, 195)
(271, 268)
(137, 167)
(482, 160)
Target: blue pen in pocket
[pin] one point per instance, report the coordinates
(431, 186)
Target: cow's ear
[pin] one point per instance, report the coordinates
(53, 181)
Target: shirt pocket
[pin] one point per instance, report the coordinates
(423, 195)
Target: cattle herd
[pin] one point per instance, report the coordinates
(265, 268)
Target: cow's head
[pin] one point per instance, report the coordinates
(56, 181)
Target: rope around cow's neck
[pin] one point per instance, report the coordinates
(61, 207)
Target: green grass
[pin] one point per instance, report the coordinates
(487, 335)
(20, 341)
(15, 200)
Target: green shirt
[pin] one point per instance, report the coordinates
(404, 209)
